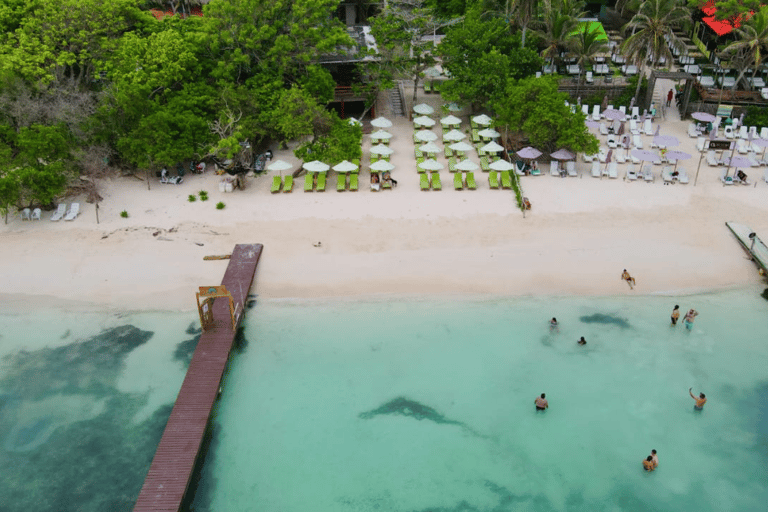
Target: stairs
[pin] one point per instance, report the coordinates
(396, 102)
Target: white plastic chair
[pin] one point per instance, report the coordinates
(74, 211)
(613, 170)
(59, 213)
(25, 214)
(553, 170)
(37, 214)
(596, 113)
(570, 167)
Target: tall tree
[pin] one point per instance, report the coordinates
(515, 13)
(653, 32)
(586, 45)
(559, 21)
(750, 49)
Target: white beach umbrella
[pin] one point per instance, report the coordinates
(430, 147)
(454, 107)
(381, 134)
(501, 165)
(425, 135)
(424, 121)
(488, 133)
(279, 165)
(467, 165)
(431, 165)
(461, 146)
(316, 166)
(381, 149)
(382, 166)
(381, 122)
(345, 166)
(423, 109)
(482, 119)
(454, 135)
(450, 120)
(353, 121)
(492, 147)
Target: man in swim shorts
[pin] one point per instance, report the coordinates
(688, 320)
(628, 278)
(541, 402)
(700, 401)
(648, 464)
(654, 459)
(675, 314)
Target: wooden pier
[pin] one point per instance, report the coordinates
(169, 475)
(751, 244)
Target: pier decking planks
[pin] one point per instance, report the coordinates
(169, 474)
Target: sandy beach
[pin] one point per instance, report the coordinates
(579, 235)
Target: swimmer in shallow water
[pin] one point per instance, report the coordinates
(582, 341)
(654, 459)
(648, 464)
(700, 401)
(553, 324)
(675, 314)
(688, 320)
(541, 402)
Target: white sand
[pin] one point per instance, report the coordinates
(578, 237)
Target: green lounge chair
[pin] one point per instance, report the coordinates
(506, 180)
(427, 87)
(288, 186)
(308, 185)
(353, 182)
(484, 165)
(386, 184)
(448, 152)
(277, 183)
(475, 136)
(471, 184)
(424, 182)
(418, 153)
(341, 182)
(458, 184)
(321, 182)
(356, 161)
(436, 86)
(436, 183)
(493, 179)
(452, 164)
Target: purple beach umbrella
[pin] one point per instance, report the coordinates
(563, 154)
(529, 153)
(677, 156)
(703, 117)
(591, 124)
(613, 114)
(645, 156)
(665, 140)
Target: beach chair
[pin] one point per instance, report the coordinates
(493, 179)
(353, 182)
(321, 179)
(631, 172)
(613, 170)
(666, 175)
(424, 181)
(554, 169)
(693, 132)
(602, 156)
(484, 164)
(427, 87)
(277, 184)
(712, 159)
(727, 180)
(506, 179)
(648, 174)
(448, 152)
(37, 214)
(341, 182)
(648, 127)
(356, 161)
(308, 183)
(728, 131)
(585, 110)
(596, 113)
(682, 176)
(764, 133)
(595, 168)
(620, 156)
(458, 183)
(73, 212)
(743, 132)
(725, 158)
(623, 109)
(570, 167)
(612, 142)
(452, 165)
(635, 113)
(288, 185)
(589, 78)
(25, 213)
(535, 171)
(603, 129)
(741, 146)
(436, 86)
(436, 183)
(701, 143)
(637, 142)
(520, 167)
(471, 183)
(386, 184)
(633, 129)
(59, 213)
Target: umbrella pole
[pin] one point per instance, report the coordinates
(701, 157)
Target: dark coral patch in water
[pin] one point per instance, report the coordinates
(602, 318)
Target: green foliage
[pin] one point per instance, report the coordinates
(191, 198)
(10, 192)
(481, 55)
(534, 107)
(448, 8)
(339, 141)
(756, 116)
(39, 185)
(625, 98)
(220, 205)
(124, 214)
(203, 195)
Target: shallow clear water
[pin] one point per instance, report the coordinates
(417, 405)
(401, 405)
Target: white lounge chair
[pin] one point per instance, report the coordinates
(589, 79)
(623, 109)
(712, 159)
(613, 169)
(648, 127)
(631, 172)
(682, 176)
(596, 113)
(25, 213)
(666, 175)
(585, 110)
(753, 132)
(648, 174)
(59, 213)
(692, 131)
(612, 141)
(74, 211)
(725, 158)
(570, 167)
(743, 132)
(620, 156)
(603, 129)
(741, 146)
(637, 142)
(602, 156)
(595, 169)
(701, 143)
(553, 168)
(764, 133)
(633, 128)
(37, 214)
(635, 113)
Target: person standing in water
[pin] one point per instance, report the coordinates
(553, 324)
(654, 459)
(541, 402)
(688, 320)
(675, 314)
(648, 464)
(582, 341)
(700, 400)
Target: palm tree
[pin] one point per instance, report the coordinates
(560, 21)
(652, 28)
(586, 44)
(515, 12)
(752, 45)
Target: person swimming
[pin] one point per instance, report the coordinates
(582, 341)
(553, 324)
(700, 401)
(648, 464)
(541, 402)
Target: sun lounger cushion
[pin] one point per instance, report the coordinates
(458, 183)
(436, 183)
(493, 179)
(288, 185)
(506, 179)
(353, 182)
(277, 183)
(341, 182)
(308, 185)
(424, 182)
(471, 184)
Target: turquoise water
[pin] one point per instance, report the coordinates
(417, 405)
(401, 405)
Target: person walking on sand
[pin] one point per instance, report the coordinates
(675, 314)
(648, 464)
(628, 278)
(700, 401)
(541, 402)
(670, 97)
(688, 320)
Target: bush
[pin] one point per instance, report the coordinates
(625, 98)
(203, 195)
(192, 198)
(124, 214)
(220, 205)
(756, 116)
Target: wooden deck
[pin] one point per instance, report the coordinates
(176, 455)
